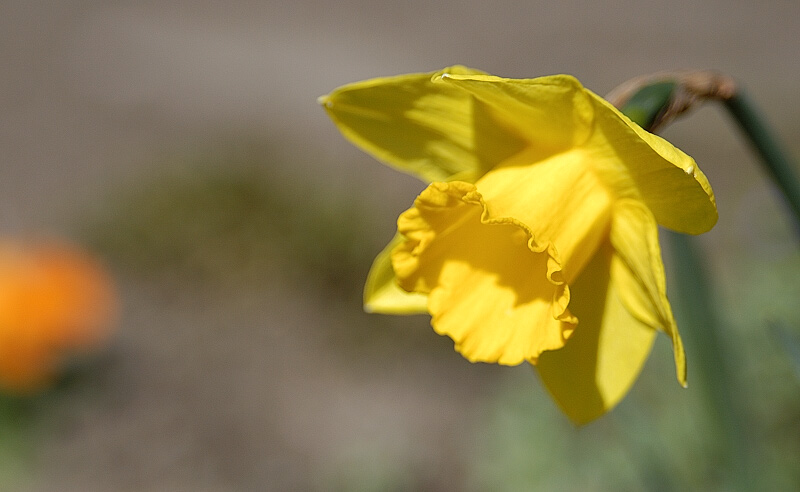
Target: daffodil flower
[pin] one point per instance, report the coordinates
(536, 239)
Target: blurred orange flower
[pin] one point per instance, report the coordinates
(55, 302)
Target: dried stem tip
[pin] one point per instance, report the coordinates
(692, 88)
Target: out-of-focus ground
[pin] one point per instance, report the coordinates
(182, 144)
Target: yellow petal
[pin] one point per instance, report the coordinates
(381, 292)
(638, 272)
(663, 177)
(559, 198)
(604, 355)
(433, 131)
(491, 286)
(553, 113)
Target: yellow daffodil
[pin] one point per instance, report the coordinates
(536, 239)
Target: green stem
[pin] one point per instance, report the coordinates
(695, 311)
(776, 159)
(648, 103)
(712, 370)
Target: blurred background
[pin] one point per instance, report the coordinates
(181, 144)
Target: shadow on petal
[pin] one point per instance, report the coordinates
(605, 354)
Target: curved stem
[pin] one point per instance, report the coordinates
(776, 159)
(649, 102)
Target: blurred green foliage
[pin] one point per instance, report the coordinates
(227, 216)
(15, 449)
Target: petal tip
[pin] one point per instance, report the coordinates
(325, 101)
(441, 77)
